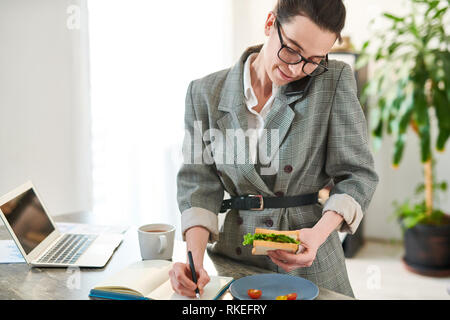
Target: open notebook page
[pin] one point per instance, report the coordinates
(211, 290)
(141, 276)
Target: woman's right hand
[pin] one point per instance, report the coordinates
(181, 279)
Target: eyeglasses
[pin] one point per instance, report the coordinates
(290, 56)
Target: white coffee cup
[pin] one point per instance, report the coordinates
(156, 241)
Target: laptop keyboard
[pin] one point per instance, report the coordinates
(68, 249)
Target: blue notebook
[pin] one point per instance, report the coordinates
(149, 280)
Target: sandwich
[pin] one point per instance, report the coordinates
(265, 239)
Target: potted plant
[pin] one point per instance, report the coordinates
(410, 85)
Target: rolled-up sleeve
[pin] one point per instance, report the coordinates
(349, 160)
(199, 189)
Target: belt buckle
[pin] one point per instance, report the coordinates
(261, 201)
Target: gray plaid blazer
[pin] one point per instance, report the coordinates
(322, 138)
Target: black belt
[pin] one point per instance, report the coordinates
(258, 202)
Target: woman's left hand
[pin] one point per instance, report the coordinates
(310, 240)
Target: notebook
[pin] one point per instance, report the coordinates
(149, 280)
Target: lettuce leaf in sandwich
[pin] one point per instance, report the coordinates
(249, 238)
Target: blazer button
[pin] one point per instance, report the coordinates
(269, 223)
(238, 251)
(279, 193)
(288, 169)
(240, 220)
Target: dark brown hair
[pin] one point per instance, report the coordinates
(327, 14)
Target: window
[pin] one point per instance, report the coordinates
(143, 54)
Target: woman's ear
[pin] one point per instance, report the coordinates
(269, 23)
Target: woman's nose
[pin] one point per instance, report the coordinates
(296, 69)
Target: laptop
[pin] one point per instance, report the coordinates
(40, 241)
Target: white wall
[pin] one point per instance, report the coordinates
(44, 102)
(249, 18)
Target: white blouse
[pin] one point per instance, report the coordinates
(255, 119)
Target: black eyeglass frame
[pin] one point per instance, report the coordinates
(302, 58)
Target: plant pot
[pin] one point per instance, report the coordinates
(427, 249)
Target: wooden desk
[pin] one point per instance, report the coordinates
(20, 281)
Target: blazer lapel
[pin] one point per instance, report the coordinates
(277, 124)
(279, 120)
(232, 102)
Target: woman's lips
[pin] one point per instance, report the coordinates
(284, 76)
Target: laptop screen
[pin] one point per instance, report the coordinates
(28, 219)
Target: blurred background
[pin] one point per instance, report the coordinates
(92, 107)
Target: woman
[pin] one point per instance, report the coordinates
(286, 88)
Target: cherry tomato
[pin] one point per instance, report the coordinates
(292, 296)
(254, 293)
(281, 298)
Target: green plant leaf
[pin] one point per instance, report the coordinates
(431, 6)
(412, 221)
(378, 131)
(435, 217)
(443, 136)
(406, 110)
(392, 47)
(392, 17)
(425, 143)
(379, 55)
(423, 122)
(399, 146)
(441, 105)
(365, 45)
(420, 188)
(440, 13)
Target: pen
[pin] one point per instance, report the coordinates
(194, 274)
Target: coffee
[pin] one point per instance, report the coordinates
(156, 241)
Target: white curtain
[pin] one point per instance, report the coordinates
(143, 54)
